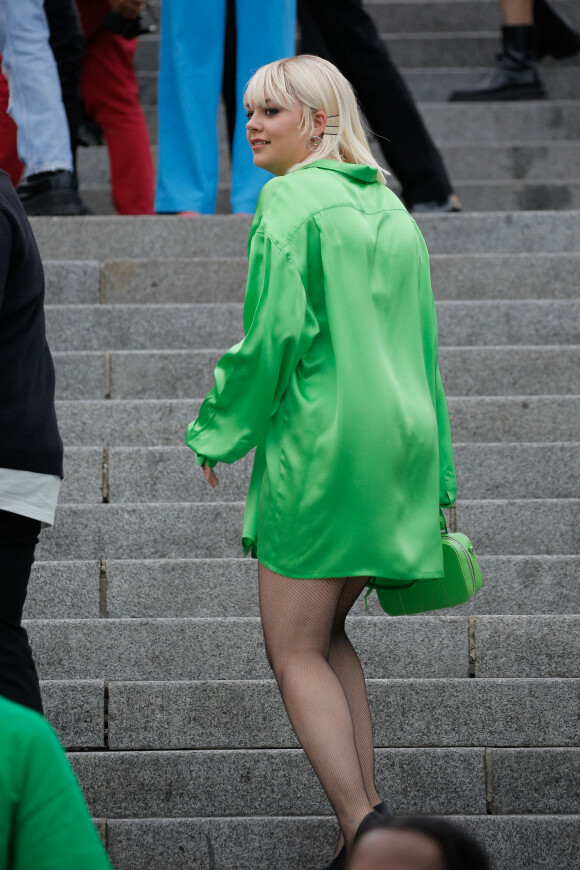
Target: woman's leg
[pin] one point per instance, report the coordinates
(298, 618)
(347, 667)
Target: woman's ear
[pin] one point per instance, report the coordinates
(318, 123)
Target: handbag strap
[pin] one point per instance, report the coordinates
(443, 522)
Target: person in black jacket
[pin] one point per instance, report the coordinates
(30, 444)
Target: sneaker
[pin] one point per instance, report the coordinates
(51, 193)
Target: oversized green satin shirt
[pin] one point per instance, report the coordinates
(336, 384)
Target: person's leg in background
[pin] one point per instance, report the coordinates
(111, 96)
(266, 32)
(356, 48)
(190, 79)
(66, 42)
(18, 677)
(531, 29)
(9, 159)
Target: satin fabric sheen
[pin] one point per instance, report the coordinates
(336, 383)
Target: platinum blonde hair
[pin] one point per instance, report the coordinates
(315, 84)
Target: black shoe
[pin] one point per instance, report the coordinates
(436, 206)
(555, 35)
(339, 862)
(384, 810)
(51, 193)
(516, 76)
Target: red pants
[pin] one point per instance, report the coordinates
(111, 96)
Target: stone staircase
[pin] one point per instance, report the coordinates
(143, 618)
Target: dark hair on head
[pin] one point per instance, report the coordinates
(460, 850)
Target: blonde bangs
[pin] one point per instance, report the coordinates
(269, 83)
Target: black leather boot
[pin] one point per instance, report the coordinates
(516, 75)
(555, 35)
(51, 193)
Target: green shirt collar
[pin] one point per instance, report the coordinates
(358, 171)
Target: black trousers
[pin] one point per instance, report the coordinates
(342, 32)
(18, 677)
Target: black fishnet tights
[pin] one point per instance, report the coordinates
(322, 685)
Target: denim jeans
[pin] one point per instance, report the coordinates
(35, 94)
(190, 80)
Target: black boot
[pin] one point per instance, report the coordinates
(554, 33)
(516, 75)
(51, 193)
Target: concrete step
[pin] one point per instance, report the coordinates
(200, 325)
(475, 196)
(483, 371)
(407, 712)
(514, 842)
(159, 422)
(223, 280)
(184, 783)
(476, 123)
(435, 82)
(516, 585)
(497, 527)
(165, 237)
(169, 474)
(180, 648)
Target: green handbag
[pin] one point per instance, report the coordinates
(461, 580)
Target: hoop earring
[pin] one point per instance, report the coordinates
(314, 143)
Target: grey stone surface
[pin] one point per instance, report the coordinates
(198, 279)
(199, 326)
(513, 418)
(178, 715)
(162, 327)
(506, 371)
(63, 590)
(512, 842)
(160, 531)
(483, 471)
(521, 527)
(511, 470)
(226, 236)
(229, 587)
(76, 711)
(265, 782)
(511, 323)
(489, 122)
(182, 587)
(71, 283)
(503, 276)
(159, 422)
(79, 375)
(509, 195)
(142, 422)
(535, 780)
(83, 476)
(527, 646)
(521, 585)
(466, 371)
(232, 648)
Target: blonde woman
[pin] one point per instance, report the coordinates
(336, 384)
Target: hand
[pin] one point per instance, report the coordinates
(210, 475)
(127, 8)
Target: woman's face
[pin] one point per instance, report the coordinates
(276, 137)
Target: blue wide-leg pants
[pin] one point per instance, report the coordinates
(190, 79)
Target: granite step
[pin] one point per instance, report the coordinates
(456, 277)
(432, 646)
(484, 371)
(516, 842)
(497, 527)
(185, 783)
(513, 585)
(162, 422)
(169, 474)
(406, 712)
(202, 325)
(522, 159)
(165, 237)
